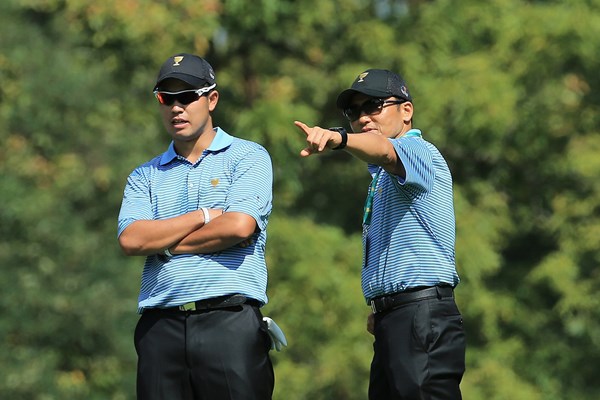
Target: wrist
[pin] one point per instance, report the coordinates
(344, 136)
(206, 215)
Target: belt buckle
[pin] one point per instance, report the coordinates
(188, 306)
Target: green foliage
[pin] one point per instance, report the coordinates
(504, 90)
(318, 303)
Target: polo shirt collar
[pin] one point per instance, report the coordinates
(221, 141)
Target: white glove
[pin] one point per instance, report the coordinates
(276, 334)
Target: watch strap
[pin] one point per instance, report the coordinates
(344, 135)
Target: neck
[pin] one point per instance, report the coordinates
(192, 149)
(407, 126)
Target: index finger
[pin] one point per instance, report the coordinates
(303, 127)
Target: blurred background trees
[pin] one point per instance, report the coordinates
(507, 89)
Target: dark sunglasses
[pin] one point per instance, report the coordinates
(184, 97)
(369, 107)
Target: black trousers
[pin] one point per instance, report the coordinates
(203, 355)
(419, 352)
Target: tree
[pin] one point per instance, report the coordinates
(505, 92)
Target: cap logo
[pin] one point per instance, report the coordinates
(404, 91)
(177, 60)
(361, 77)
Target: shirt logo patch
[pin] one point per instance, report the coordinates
(214, 181)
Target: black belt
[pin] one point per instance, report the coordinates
(213, 303)
(392, 301)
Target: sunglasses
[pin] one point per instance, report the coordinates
(184, 97)
(369, 107)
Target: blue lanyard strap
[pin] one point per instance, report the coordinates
(368, 209)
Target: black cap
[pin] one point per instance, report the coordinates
(375, 83)
(189, 68)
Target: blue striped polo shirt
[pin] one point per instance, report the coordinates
(410, 241)
(233, 174)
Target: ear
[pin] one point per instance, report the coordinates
(407, 111)
(213, 99)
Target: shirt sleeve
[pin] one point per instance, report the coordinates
(251, 191)
(136, 203)
(418, 163)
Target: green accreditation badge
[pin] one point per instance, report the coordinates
(368, 209)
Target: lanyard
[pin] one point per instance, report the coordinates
(368, 209)
(369, 202)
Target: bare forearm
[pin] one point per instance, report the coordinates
(145, 237)
(371, 148)
(221, 233)
(376, 149)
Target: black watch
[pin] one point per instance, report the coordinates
(344, 134)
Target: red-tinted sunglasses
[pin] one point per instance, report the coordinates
(184, 97)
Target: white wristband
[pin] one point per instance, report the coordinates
(168, 253)
(206, 215)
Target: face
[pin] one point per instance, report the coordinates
(393, 121)
(187, 122)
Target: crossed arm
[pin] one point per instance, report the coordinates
(187, 233)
